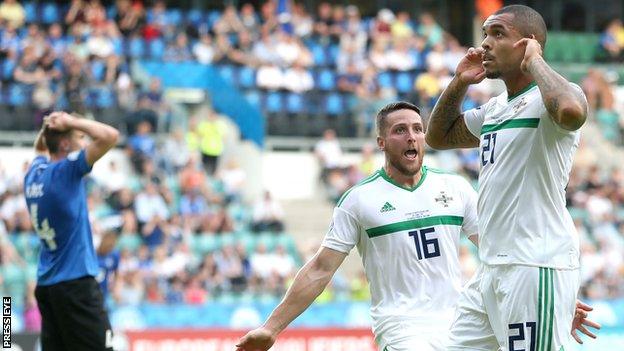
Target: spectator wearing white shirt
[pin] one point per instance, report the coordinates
(204, 51)
(297, 79)
(268, 215)
(270, 77)
(329, 153)
(399, 57)
(149, 204)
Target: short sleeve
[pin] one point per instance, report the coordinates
(470, 225)
(75, 166)
(474, 119)
(343, 233)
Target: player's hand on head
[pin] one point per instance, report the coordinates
(581, 320)
(260, 339)
(470, 69)
(60, 121)
(532, 49)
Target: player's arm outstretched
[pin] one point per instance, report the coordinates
(447, 129)
(309, 282)
(565, 103)
(103, 137)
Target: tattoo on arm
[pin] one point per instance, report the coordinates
(555, 91)
(446, 123)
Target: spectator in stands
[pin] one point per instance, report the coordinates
(209, 138)
(175, 291)
(323, 22)
(179, 50)
(270, 77)
(350, 79)
(242, 52)
(75, 85)
(354, 30)
(381, 28)
(302, 22)
(100, 47)
(204, 52)
(249, 19)
(12, 14)
(288, 50)
(193, 208)
(349, 55)
(230, 266)
(76, 15)
(399, 57)
(430, 29)
(175, 153)
(9, 44)
(233, 177)
(28, 71)
(129, 289)
(194, 293)
(612, 41)
(129, 16)
(191, 178)
(297, 79)
(223, 47)
(229, 22)
(159, 25)
(284, 265)
(150, 206)
(328, 152)
(401, 28)
(141, 146)
(268, 215)
(264, 49)
(35, 40)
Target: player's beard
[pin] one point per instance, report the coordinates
(407, 170)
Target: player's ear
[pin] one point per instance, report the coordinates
(381, 143)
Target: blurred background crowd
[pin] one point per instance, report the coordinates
(174, 227)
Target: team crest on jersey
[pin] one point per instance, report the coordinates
(519, 105)
(444, 199)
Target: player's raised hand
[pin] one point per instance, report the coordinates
(260, 339)
(470, 69)
(532, 49)
(60, 121)
(580, 321)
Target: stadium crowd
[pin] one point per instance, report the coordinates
(185, 233)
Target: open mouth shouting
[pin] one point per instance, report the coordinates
(411, 154)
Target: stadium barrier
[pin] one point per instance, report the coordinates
(334, 339)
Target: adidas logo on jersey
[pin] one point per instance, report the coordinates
(387, 207)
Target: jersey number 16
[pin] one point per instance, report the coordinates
(425, 247)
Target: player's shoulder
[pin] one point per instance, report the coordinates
(448, 177)
(351, 196)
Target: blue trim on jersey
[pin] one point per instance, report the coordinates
(57, 202)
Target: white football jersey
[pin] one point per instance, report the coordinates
(525, 165)
(408, 240)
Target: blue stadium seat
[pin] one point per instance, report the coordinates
(253, 97)
(31, 11)
(157, 48)
(105, 98)
(274, 102)
(334, 104)
(8, 66)
(213, 17)
(326, 80)
(98, 70)
(318, 54)
(174, 16)
(49, 13)
(195, 17)
(334, 50)
(295, 103)
(136, 47)
(18, 95)
(111, 12)
(247, 77)
(404, 82)
(226, 72)
(118, 45)
(385, 79)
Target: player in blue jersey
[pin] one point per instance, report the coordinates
(67, 293)
(108, 261)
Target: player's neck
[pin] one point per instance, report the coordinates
(402, 179)
(58, 156)
(517, 83)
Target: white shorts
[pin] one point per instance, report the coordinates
(429, 334)
(514, 307)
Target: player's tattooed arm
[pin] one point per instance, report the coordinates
(565, 103)
(446, 128)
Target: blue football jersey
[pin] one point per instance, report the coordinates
(108, 265)
(57, 201)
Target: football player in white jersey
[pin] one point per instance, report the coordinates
(523, 297)
(406, 221)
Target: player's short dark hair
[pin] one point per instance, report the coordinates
(380, 121)
(53, 138)
(527, 21)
